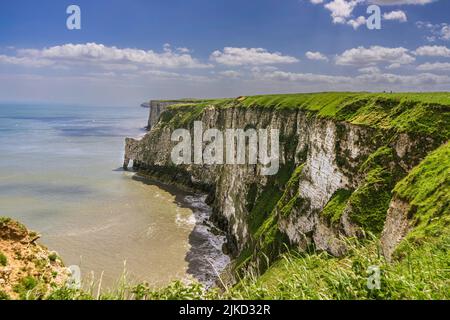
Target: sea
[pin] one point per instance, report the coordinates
(61, 175)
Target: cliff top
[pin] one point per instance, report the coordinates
(27, 269)
(424, 113)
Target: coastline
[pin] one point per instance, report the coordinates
(205, 257)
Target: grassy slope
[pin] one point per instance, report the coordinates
(422, 113)
(420, 272)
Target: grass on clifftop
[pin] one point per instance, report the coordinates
(423, 113)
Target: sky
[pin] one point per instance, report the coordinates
(128, 52)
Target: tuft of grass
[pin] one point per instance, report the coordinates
(30, 288)
(335, 207)
(3, 259)
(4, 296)
(53, 256)
(424, 275)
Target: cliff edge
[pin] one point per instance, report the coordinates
(27, 269)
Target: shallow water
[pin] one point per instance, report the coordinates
(59, 174)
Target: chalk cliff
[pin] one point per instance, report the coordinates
(341, 156)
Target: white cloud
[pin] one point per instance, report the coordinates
(437, 31)
(376, 54)
(341, 9)
(437, 66)
(356, 23)
(25, 61)
(316, 1)
(396, 15)
(316, 56)
(303, 77)
(433, 51)
(249, 56)
(369, 70)
(366, 79)
(184, 50)
(230, 74)
(90, 52)
(400, 2)
(393, 66)
(445, 32)
(422, 79)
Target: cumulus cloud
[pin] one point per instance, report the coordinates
(249, 56)
(367, 78)
(369, 70)
(25, 61)
(341, 9)
(100, 53)
(230, 74)
(315, 56)
(438, 31)
(356, 23)
(398, 15)
(437, 66)
(400, 2)
(422, 79)
(302, 77)
(361, 56)
(433, 51)
(316, 1)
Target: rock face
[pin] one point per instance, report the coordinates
(396, 227)
(331, 154)
(26, 268)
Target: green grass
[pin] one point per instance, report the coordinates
(29, 288)
(427, 189)
(424, 113)
(422, 275)
(53, 256)
(4, 296)
(3, 260)
(335, 207)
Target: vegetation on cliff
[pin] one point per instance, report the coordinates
(420, 113)
(27, 269)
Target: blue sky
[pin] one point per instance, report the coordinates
(130, 51)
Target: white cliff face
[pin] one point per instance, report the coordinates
(329, 151)
(322, 176)
(396, 227)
